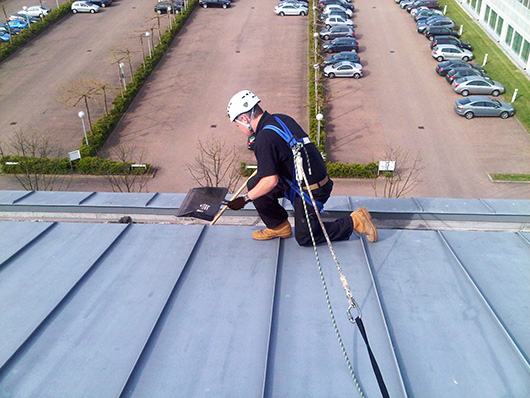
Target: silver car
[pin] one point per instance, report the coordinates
(290, 9)
(477, 85)
(478, 105)
(344, 69)
(443, 52)
(337, 20)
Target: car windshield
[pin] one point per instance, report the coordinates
(464, 101)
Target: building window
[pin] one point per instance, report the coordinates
(509, 35)
(526, 51)
(493, 19)
(487, 14)
(474, 4)
(500, 22)
(479, 6)
(517, 41)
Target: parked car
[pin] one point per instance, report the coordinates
(163, 7)
(290, 9)
(335, 13)
(343, 56)
(84, 6)
(423, 3)
(102, 3)
(432, 31)
(444, 52)
(344, 69)
(20, 17)
(35, 11)
(477, 85)
(4, 37)
(437, 21)
(341, 44)
(451, 40)
(14, 31)
(461, 72)
(405, 3)
(337, 20)
(478, 105)
(426, 13)
(444, 67)
(337, 31)
(337, 7)
(17, 24)
(343, 3)
(215, 3)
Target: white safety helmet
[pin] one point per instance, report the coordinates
(240, 103)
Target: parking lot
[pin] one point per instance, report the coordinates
(400, 101)
(79, 46)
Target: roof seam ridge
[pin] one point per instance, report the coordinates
(383, 317)
(155, 330)
(488, 305)
(60, 304)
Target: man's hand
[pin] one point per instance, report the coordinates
(238, 203)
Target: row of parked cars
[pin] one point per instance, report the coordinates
(338, 33)
(21, 20)
(453, 56)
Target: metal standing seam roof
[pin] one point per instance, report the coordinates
(159, 310)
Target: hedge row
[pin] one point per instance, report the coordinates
(317, 105)
(105, 125)
(88, 166)
(35, 29)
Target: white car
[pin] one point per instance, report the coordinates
(35, 11)
(344, 69)
(337, 20)
(84, 6)
(336, 7)
(290, 9)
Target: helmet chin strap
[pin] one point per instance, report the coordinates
(247, 125)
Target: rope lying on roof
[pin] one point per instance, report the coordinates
(301, 177)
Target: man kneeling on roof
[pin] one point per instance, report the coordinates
(275, 136)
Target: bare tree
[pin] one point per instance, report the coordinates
(80, 90)
(125, 54)
(216, 165)
(406, 175)
(134, 176)
(36, 161)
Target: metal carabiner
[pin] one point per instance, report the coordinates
(353, 304)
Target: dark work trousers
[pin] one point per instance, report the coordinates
(273, 214)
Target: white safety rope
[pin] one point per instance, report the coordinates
(301, 177)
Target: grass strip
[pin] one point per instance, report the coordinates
(510, 177)
(499, 66)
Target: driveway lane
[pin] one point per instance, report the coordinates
(218, 53)
(402, 93)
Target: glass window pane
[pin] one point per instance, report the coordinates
(487, 13)
(493, 19)
(526, 51)
(509, 35)
(500, 21)
(517, 41)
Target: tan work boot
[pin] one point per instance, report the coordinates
(363, 225)
(281, 231)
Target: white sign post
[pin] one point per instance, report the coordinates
(386, 165)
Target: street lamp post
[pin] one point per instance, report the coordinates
(27, 16)
(319, 117)
(315, 35)
(82, 115)
(147, 34)
(122, 74)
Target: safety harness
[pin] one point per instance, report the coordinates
(296, 145)
(299, 178)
